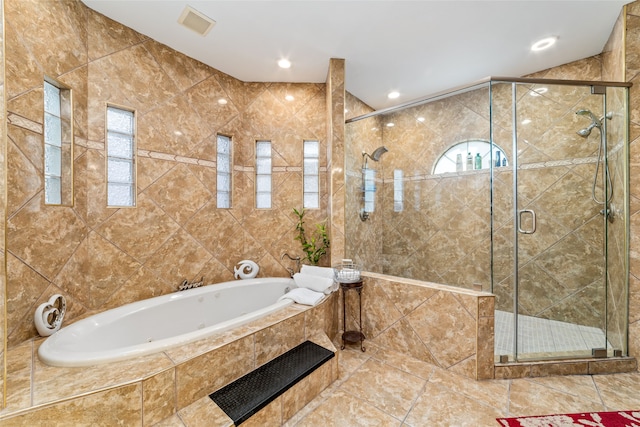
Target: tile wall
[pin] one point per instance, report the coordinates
(100, 257)
(632, 71)
(335, 107)
(445, 326)
(613, 67)
(3, 206)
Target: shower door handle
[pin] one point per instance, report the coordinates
(533, 221)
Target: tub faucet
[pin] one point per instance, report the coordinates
(190, 285)
(289, 269)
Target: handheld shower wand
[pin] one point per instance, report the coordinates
(598, 123)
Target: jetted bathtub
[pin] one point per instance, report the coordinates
(163, 322)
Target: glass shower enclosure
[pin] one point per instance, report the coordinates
(514, 186)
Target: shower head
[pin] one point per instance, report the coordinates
(375, 156)
(586, 131)
(594, 120)
(595, 123)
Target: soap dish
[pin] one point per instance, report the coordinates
(347, 273)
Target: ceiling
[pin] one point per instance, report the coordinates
(416, 48)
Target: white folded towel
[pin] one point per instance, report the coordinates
(303, 296)
(315, 283)
(318, 271)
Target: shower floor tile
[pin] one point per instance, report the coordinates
(538, 335)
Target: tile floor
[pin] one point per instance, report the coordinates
(539, 335)
(386, 388)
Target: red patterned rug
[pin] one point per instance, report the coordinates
(591, 419)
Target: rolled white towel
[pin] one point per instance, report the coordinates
(303, 296)
(318, 271)
(315, 283)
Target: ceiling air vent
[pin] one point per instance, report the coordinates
(196, 21)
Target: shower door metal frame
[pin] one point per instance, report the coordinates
(517, 213)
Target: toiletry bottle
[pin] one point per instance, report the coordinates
(504, 161)
(478, 161)
(497, 158)
(458, 162)
(469, 161)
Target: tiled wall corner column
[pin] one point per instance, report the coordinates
(485, 335)
(335, 156)
(632, 65)
(3, 209)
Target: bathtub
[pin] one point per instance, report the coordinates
(163, 322)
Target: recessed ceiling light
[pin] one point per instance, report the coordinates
(289, 98)
(544, 43)
(284, 63)
(222, 101)
(393, 95)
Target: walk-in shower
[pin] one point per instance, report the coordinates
(498, 185)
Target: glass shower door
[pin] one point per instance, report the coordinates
(557, 284)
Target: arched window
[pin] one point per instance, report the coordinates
(470, 155)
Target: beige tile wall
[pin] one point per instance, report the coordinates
(3, 207)
(445, 326)
(100, 257)
(335, 106)
(632, 70)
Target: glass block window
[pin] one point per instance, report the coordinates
(398, 191)
(52, 145)
(223, 172)
(311, 174)
(470, 155)
(263, 174)
(120, 157)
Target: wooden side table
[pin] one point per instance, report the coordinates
(352, 336)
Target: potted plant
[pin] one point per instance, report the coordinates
(317, 244)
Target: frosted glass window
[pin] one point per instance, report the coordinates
(52, 191)
(311, 174)
(263, 174)
(58, 144)
(398, 191)
(120, 157)
(369, 187)
(470, 155)
(223, 164)
(52, 145)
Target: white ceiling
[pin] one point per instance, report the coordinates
(414, 47)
